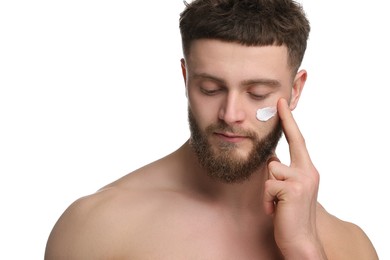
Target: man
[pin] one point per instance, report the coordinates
(223, 194)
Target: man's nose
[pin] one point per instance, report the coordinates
(232, 110)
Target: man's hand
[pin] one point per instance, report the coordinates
(291, 195)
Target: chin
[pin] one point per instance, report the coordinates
(234, 151)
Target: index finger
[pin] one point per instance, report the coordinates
(295, 139)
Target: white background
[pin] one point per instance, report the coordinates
(91, 90)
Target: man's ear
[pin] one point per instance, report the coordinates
(184, 73)
(183, 70)
(296, 91)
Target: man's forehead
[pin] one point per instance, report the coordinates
(220, 58)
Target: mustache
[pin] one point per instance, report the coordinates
(223, 127)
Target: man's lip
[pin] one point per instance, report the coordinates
(230, 136)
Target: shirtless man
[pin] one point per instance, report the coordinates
(223, 194)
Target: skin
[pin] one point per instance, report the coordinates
(171, 209)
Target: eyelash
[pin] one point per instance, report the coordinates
(216, 91)
(210, 92)
(257, 97)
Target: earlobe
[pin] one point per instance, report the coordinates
(297, 88)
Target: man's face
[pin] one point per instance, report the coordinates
(226, 83)
(222, 162)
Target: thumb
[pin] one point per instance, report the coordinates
(271, 163)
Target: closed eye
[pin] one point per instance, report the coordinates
(257, 96)
(210, 92)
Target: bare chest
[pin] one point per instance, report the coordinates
(202, 236)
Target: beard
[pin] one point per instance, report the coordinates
(224, 165)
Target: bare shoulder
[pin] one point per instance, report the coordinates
(102, 225)
(343, 240)
(89, 227)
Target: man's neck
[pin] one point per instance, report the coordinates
(242, 196)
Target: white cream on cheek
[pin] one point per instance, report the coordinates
(266, 113)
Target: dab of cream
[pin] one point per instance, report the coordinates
(266, 113)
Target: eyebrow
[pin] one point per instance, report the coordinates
(263, 81)
(209, 77)
(250, 82)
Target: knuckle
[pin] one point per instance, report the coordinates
(297, 189)
(268, 184)
(272, 164)
(305, 186)
(303, 140)
(315, 176)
